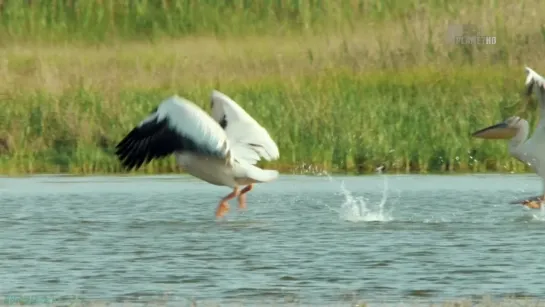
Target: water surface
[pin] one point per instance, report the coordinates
(303, 239)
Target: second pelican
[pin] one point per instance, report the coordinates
(529, 151)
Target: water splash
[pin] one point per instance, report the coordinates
(356, 208)
(541, 215)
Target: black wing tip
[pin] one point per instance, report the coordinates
(223, 122)
(127, 151)
(530, 87)
(155, 140)
(146, 142)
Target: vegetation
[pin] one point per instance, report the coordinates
(341, 85)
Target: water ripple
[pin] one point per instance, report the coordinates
(302, 240)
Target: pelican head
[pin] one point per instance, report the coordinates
(504, 130)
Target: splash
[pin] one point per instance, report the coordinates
(356, 208)
(541, 215)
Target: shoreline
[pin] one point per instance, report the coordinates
(313, 174)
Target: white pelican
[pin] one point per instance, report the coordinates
(531, 151)
(221, 149)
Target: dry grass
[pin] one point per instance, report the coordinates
(382, 88)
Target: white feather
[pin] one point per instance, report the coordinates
(530, 74)
(258, 174)
(539, 86)
(190, 121)
(242, 131)
(206, 150)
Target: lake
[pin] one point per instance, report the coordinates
(312, 240)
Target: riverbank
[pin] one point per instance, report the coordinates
(385, 90)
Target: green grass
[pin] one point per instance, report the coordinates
(342, 86)
(97, 21)
(335, 120)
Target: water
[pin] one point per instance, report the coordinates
(303, 239)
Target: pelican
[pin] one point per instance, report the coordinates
(221, 149)
(529, 151)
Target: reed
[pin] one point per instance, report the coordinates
(100, 20)
(341, 86)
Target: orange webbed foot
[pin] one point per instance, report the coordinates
(222, 209)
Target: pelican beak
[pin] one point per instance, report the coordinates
(497, 131)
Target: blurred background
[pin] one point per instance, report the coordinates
(342, 85)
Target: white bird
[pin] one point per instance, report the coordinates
(529, 151)
(221, 149)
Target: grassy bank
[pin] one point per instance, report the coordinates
(342, 87)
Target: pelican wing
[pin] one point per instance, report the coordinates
(249, 141)
(536, 82)
(177, 125)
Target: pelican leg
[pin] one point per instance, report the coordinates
(223, 206)
(242, 196)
